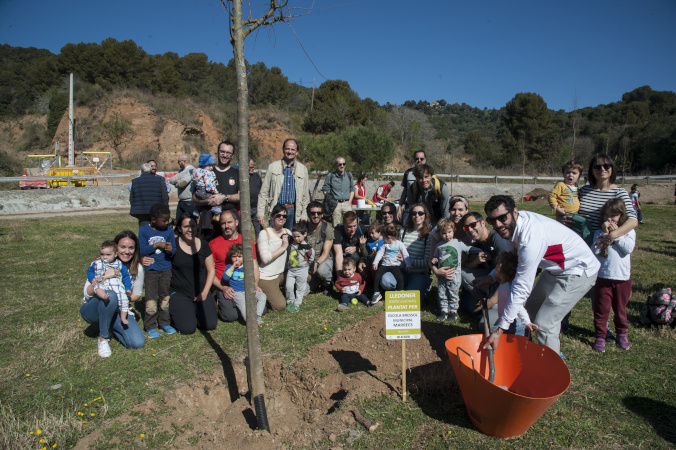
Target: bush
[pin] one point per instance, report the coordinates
(32, 139)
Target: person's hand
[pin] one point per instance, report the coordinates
(261, 220)
(123, 319)
(109, 273)
(358, 292)
(362, 239)
(483, 257)
(374, 267)
(216, 200)
(258, 289)
(200, 297)
(399, 213)
(493, 340)
(434, 261)
(400, 257)
(532, 327)
(147, 261)
(612, 226)
(313, 270)
(228, 292)
(238, 264)
(483, 282)
(361, 266)
(343, 290)
(285, 241)
(167, 247)
(559, 211)
(350, 250)
(564, 219)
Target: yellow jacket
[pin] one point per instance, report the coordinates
(564, 196)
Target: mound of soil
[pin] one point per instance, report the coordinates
(310, 401)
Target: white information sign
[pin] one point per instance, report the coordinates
(402, 314)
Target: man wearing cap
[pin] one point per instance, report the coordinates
(182, 182)
(285, 183)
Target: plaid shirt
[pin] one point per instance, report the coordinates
(288, 194)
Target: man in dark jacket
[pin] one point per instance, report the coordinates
(145, 191)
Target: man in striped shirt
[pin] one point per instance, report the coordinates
(569, 269)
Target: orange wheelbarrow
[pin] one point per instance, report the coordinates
(529, 378)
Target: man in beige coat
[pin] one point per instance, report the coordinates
(285, 183)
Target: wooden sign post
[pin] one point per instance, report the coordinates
(402, 321)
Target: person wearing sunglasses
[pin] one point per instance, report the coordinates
(273, 243)
(340, 184)
(320, 237)
(569, 269)
(419, 157)
(286, 184)
(480, 264)
(601, 188)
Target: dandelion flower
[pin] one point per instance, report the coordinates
(92, 414)
(54, 446)
(91, 390)
(85, 404)
(31, 432)
(42, 441)
(143, 435)
(38, 431)
(28, 374)
(97, 398)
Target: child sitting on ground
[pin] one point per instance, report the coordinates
(613, 284)
(351, 286)
(233, 275)
(368, 248)
(301, 260)
(157, 241)
(120, 285)
(565, 202)
(505, 271)
(449, 254)
(204, 182)
(388, 253)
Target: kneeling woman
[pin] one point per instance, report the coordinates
(105, 313)
(192, 273)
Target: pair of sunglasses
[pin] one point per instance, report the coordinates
(471, 226)
(502, 218)
(281, 216)
(605, 166)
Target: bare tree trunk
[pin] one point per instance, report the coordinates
(257, 382)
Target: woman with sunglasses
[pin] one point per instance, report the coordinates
(416, 237)
(601, 188)
(272, 245)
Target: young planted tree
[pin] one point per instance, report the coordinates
(241, 27)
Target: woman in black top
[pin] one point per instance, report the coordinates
(192, 273)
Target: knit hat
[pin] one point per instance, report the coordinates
(206, 160)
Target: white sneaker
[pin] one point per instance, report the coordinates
(376, 298)
(104, 348)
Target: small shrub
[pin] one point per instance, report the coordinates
(32, 139)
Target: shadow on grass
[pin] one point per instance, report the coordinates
(661, 416)
(433, 386)
(226, 362)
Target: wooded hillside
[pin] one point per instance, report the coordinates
(639, 130)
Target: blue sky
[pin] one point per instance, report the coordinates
(480, 52)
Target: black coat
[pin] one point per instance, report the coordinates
(147, 190)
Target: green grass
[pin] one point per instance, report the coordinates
(618, 399)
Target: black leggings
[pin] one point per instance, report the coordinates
(188, 315)
(395, 271)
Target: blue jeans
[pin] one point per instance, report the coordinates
(345, 299)
(105, 314)
(412, 281)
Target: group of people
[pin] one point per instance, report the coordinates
(193, 273)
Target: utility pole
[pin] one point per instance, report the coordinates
(71, 142)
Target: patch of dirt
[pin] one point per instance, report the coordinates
(309, 402)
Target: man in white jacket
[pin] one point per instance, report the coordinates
(182, 182)
(285, 183)
(569, 269)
